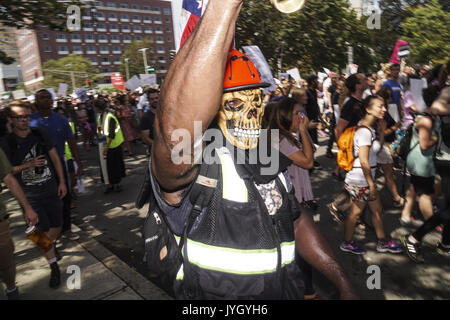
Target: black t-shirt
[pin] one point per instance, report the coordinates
(312, 107)
(35, 185)
(332, 90)
(335, 98)
(351, 112)
(389, 123)
(3, 123)
(147, 121)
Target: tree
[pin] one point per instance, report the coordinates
(72, 62)
(135, 58)
(31, 14)
(317, 36)
(427, 30)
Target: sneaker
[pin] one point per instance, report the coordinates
(335, 214)
(55, 276)
(412, 250)
(12, 295)
(57, 253)
(389, 246)
(70, 235)
(412, 223)
(443, 249)
(352, 247)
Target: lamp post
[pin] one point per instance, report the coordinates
(127, 69)
(144, 56)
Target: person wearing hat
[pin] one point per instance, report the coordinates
(242, 244)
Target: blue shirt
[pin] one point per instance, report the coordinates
(396, 91)
(58, 127)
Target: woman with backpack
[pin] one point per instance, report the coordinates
(440, 162)
(360, 180)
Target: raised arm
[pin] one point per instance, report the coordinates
(192, 90)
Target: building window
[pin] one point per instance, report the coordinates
(60, 36)
(137, 29)
(91, 49)
(116, 60)
(45, 36)
(93, 60)
(106, 70)
(147, 19)
(146, 8)
(47, 49)
(156, 9)
(136, 18)
(105, 59)
(169, 39)
(77, 49)
(138, 38)
(112, 16)
(147, 29)
(126, 39)
(104, 49)
(101, 27)
(134, 7)
(98, 3)
(115, 39)
(123, 16)
(102, 38)
(113, 27)
(124, 5)
(100, 15)
(166, 11)
(110, 4)
(116, 49)
(89, 38)
(62, 49)
(168, 20)
(157, 20)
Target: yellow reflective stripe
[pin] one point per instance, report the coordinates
(236, 261)
(234, 188)
(109, 115)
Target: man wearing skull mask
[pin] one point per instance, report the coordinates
(242, 244)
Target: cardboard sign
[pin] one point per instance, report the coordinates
(148, 80)
(295, 74)
(81, 94)
(260, 62)
(117, 80)
(19, 94)
(52, 92)
(133, 83)
(62, 90)
(416, 87)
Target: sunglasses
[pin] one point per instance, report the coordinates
(21, 117)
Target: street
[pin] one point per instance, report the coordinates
(113, 221)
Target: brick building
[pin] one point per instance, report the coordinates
(107, 27)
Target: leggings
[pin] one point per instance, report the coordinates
(438, 219)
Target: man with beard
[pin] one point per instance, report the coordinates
(242, 244)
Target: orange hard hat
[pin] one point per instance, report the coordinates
(241, 73)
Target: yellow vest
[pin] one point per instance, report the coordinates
(66, 146)
(118, 139)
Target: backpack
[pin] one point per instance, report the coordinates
(345, 156)
(404, 146)
(442, 153)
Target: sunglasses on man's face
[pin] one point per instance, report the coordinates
(26, 117)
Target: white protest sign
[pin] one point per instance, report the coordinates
(62, 90)
(52, 92)
(327, 71)
(81, 94)
(393, 111)
(416, 87)
(133, 83)
(295, 74)
(19, 94)
(260, 62)
(148, 79)
(321, 76)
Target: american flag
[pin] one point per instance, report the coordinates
(186, 14)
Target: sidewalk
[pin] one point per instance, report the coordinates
(103, 276)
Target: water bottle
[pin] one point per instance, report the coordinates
(39, 238)
(40, 151)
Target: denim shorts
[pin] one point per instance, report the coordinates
(49, 211)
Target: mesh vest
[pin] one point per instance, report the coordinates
(118, 139)
(237, 250)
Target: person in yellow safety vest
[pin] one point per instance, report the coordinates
(109, 127)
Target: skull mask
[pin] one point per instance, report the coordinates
(240, 117)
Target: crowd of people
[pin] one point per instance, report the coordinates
(375, 113)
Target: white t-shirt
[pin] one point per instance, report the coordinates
(143, 102)
(363, 137)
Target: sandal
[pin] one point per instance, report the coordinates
(314, 296)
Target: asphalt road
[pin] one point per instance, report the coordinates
(113, 220)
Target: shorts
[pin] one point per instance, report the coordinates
(423, 185)
(6, 246)
(49, 211)
(358, 194)
(385, 155)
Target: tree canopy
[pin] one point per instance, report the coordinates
(72, 62)
(136, 61)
